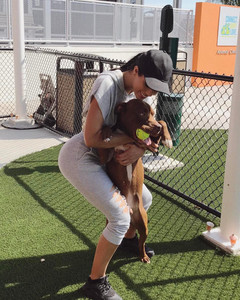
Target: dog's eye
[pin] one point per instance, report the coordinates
(143, 114)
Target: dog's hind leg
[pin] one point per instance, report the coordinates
(140, 222)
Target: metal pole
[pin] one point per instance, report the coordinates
(21, 121)
(19, 57)
(230, 215)
(9, 24)
(67, 11)
(47, 20)
(177, 3)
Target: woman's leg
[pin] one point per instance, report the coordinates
(103, 255)
(105, 248)
(146, 197)
(83, 171)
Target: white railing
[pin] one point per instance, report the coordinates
(88, 21)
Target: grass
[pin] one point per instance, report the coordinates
(44, 218)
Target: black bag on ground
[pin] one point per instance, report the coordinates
(43, 115)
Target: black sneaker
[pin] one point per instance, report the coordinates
(132, 246)
(99, 289)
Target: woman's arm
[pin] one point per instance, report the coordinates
(130, 155)
(93, 127)
(133, 153)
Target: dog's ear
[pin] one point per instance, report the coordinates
(121, 107)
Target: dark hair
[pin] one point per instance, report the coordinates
(129, 66)
(156, 66)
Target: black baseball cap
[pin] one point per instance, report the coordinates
(156, 66)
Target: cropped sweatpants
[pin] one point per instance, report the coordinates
(80, 166)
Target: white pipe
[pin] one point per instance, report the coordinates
(47, 18)
(19, 57)
(230, 216)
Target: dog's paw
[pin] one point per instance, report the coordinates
(168, 143)
(106, 134)
(107, 140)
(145, 259)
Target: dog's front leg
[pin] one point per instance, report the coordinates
(166, 137)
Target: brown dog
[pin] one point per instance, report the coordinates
(133, 115)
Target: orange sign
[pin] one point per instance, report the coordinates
(208, 55)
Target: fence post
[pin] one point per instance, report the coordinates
(47, 10)
(19, 57)
(230, 215)
(68, 19)
(9, 33)
(21, 121)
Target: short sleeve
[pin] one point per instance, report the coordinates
(105, 96)
(108, 91)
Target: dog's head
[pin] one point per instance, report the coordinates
(137, 114)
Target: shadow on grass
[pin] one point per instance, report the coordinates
(60, 275)
(29, 278)
(16, 172)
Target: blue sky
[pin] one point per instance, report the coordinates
(186, 4)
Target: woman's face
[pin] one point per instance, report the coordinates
(140, 89)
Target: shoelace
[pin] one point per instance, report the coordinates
(104, 287)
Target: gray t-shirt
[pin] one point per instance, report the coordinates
(108, 89)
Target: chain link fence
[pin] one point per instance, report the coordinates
(7, 91)
(197, 113)
(198, 117)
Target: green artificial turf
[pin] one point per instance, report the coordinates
(49, 233)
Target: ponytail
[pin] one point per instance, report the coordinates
(129, 66)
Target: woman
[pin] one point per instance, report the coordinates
(141, 77)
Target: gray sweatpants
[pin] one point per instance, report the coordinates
(80, 166)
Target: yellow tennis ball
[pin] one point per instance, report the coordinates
(142, 135)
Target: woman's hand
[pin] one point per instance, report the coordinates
(129, 156)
